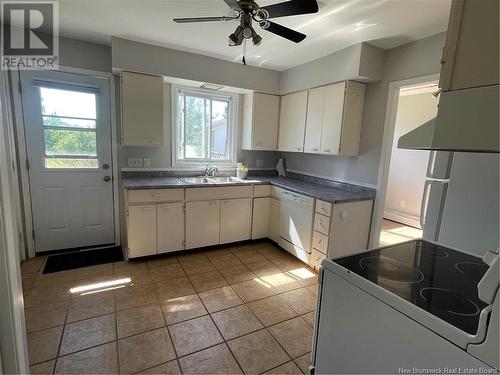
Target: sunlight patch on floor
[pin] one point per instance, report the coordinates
(393, 233)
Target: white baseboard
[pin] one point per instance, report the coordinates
(402, 217)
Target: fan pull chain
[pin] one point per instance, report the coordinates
(244, 51)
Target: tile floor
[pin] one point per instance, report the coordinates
(241, 309)
(393, 232)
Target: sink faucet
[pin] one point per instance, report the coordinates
(210, 171)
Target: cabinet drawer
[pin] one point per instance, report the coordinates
(262, 190)
(324, 208)
(322, 223)
(223, 192)
(320, 242)
(155, 195)
(276, 192)
(316, 258)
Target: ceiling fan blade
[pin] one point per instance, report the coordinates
(282, 31)
(291, 8)
(233, 4)
(203, 19)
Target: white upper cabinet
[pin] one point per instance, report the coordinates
(471, 53)
(260, 121)
(292, 122)
(334, 118)
(314, 120)
(142, 107)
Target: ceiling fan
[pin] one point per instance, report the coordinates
(248, 11)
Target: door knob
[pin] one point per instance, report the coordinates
(107, 178)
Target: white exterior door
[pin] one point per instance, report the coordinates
(68, 138)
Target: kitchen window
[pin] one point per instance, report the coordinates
(204, 127)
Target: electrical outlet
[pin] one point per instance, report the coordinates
(260, 163)
(146, 163)
(135, 162)
(402, 204)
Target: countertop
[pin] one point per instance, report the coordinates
(319, 191)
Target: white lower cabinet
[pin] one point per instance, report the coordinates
(202, 223)
(260, 218)
(235, 219)
(142, 230)
(170, 222)
(274, 219)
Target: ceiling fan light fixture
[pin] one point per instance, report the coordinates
(236, 38)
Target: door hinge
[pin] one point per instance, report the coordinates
(33, 233)
(27, 164)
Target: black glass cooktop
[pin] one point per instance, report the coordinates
(437, 279)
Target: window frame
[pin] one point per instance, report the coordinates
(233, 126)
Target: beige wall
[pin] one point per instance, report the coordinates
(408, 168)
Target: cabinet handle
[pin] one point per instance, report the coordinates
(326, 150)
(212, 203)
(315, 149)
(147, 208)
(299, 148)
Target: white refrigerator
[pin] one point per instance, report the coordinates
(460, 204)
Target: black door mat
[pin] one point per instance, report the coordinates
(82, 258)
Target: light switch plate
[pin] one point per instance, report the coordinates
(134, 162)
(146, 163)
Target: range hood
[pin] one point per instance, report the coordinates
(467, 121)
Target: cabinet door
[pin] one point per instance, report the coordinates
(266, 110)
(292, 122)
(235, 220)
(274, 219)
(142, 230)
(260, 218)
(350, 228)
(354, 102)
(314, 121)
(202, 223)
(142, 110)
(332, 118)
(170, 220)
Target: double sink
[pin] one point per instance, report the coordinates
(213, 180)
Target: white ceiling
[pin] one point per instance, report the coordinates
(339, 24)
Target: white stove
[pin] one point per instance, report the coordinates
(415, 306)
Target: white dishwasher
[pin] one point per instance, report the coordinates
(296, 219)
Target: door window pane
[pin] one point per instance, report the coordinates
(70, 142)
(68, 122)
(70, 128)
(68, 103)
(70, 163)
